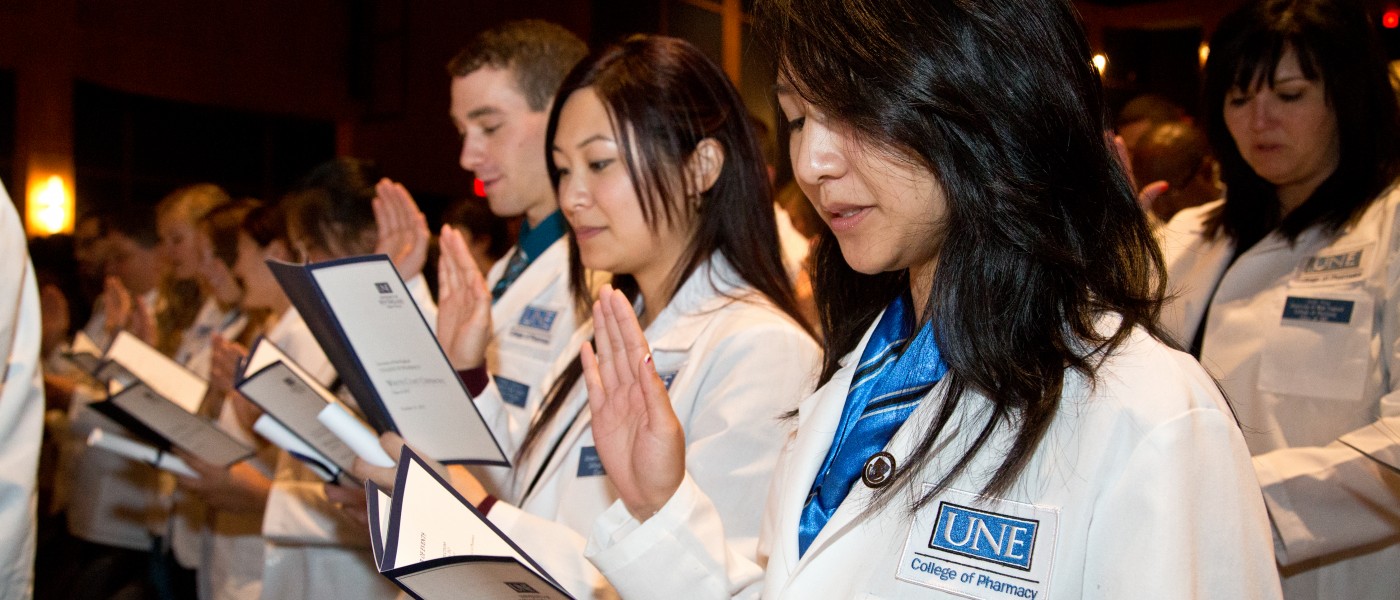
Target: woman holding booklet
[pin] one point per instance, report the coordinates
(998, 415)
(660, 179)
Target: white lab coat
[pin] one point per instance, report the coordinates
(313, 550)
(187, 527)
(1141, 488)
(21, 407)
(734, 366)
(1299, 384)
(533, 323)
(111, 498)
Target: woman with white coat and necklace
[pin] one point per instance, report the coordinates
(998, 415)
(660, 178)
(1287, 288)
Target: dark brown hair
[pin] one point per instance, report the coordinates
(1041, 234)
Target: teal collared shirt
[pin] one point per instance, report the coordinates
(535, 240)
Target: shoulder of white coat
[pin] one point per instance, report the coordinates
(1186, 226)
(1150, 382)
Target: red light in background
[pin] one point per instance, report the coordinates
(1390, 19)
(479, 188)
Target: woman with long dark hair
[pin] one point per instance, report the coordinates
(1286, 289)
(999, 416)
(659, 176)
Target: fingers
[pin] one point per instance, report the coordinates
(1150, 193)
(392, 444)
(449, 269)
(597, 394)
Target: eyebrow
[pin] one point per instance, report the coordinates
(783, 88)
(590, 140)
(483, 111)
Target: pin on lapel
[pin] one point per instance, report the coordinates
(878, 470)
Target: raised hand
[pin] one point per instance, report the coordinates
(464, 303)
(402, 228)
(639, 439)
(224, 358)
(116, 305)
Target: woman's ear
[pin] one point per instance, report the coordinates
(703, 167)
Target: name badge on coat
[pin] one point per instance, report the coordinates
(535, 324)
(981, 547)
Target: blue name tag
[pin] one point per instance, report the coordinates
(513, 392)
(538, 318)
(589, 465)
(1320, 310)
(988, 536)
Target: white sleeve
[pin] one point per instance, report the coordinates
(706, 542)
(680, 552)
(298, 512)
(1329, 499)
(1185, 519)
(21, 407)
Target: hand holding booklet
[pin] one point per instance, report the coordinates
(158, 399)
(434, 544)
(372, 331)
(295, 406)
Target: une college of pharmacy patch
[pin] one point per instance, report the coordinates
(981, 547)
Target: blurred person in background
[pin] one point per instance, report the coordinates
(1288, 289)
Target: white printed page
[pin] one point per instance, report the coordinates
(167, 377)
(412, 378)
(289, 398)
(433, 522)
(190, 432)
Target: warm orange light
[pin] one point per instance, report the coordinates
(49, 208)
(1100, 62)
(1204, 53)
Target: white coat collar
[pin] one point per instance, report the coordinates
(543, 271)
(714, 285)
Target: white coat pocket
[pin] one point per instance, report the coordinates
(1322, 345)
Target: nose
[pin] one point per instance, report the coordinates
(472, 155)
(573, 194)
(817, 154)
(1261, 111)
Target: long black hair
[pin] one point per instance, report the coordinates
(1336, 43)
(664, 97)
(1041, 236)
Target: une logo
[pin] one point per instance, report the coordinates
(538, 318)
(521, 588)
(383, 288)
(984, 535)
(1317, 264)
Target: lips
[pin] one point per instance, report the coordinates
(844, 217)
(585, 233)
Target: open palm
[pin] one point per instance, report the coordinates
(639, 439)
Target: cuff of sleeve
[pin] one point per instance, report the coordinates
(475, 379)
(618, 538)
(1289, 529)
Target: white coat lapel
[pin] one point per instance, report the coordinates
(541, 273)
(847, 516)
(818, 417)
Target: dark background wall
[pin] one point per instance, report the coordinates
(140, 97)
